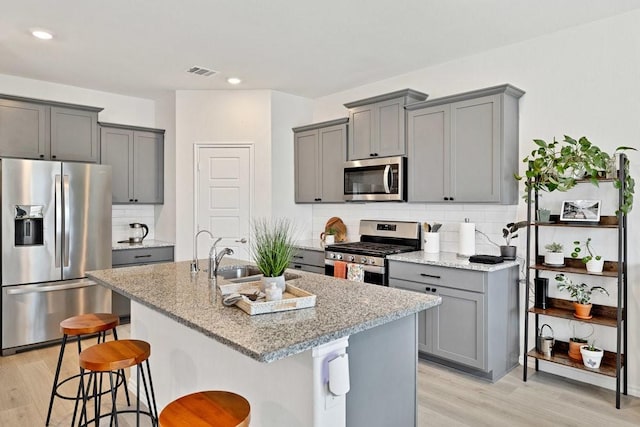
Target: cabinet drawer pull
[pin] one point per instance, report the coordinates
(427, 289)
(429, 275)
(298, 257)
(142, 256)
(297, 266)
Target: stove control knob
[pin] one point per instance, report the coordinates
(352, 258)
(332, 255)
(338, 256)
(372, 261)
(363, 260)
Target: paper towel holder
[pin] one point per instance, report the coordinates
(466, 239)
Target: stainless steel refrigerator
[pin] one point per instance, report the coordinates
(56, 225)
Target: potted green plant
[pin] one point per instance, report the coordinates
(272, 248)
(591, 355)
(592, 261)
(559, 164)
(508, 251)
(576, 341)
(581, 294)
(554, 255)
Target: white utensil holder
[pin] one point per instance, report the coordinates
(431, 243)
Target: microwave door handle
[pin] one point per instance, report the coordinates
(58, 205)
(387, 176)
(67, 219)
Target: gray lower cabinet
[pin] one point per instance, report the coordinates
(120, 304)
(464, 148)
(33, 129)
(319, 154)
(475, 329)
(308, 260)
(377, 125)
(136, 156)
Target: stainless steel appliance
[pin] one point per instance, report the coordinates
(137, 233)
(378, 239)
(382, 179)
(56, 225)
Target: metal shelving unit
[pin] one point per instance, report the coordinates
(613, 362)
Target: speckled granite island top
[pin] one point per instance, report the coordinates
(342, 308)
(449, 259)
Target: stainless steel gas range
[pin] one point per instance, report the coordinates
(378, 239)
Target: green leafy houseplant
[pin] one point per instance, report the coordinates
(509, 231)
(272, 245)
(588, 247)
(581, 293)
(554, 247)
(559, 164)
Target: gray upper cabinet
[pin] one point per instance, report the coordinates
(74, 135)
(464, 148)
(34, 129)
(319, 154)
(377, 125)
(136, 156)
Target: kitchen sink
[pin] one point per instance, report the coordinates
(246, 273)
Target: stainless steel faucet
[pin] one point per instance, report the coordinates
(194, 263)
(215, 258)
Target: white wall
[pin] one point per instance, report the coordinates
(165, 214)
(581, 81)
(287, 112)
(219, 117)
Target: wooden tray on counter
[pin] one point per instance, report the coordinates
(293, 298)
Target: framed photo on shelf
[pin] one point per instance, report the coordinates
(580, 210)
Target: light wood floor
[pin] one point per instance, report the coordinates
(445, 398)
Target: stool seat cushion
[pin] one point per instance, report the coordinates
(114, 355)
(206, 409)
(89, 323)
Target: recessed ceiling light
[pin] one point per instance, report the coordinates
(234, 80)
(42, 35)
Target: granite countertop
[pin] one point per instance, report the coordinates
(145, 244)
(342, 308)
(449, 259)
(311, 244)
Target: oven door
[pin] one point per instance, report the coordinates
(373, 275)
(375, 179)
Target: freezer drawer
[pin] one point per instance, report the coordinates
(31, 314)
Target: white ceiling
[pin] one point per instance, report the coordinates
(302, 47)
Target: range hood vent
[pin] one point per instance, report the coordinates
(201, 71)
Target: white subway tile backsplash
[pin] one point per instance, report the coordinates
(123, 215)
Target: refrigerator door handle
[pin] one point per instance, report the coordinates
(20, 290)
(67, 220)
(58, 235)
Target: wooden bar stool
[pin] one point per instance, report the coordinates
(79, 326)
(109, 357)
(207, 409)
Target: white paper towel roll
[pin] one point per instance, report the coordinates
(467, 239)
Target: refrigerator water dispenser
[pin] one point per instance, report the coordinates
(29, 225)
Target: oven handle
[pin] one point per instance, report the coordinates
(369, 268)
(387, 175)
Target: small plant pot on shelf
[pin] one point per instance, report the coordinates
(508, 252)
(582, 311)
(595, 265)
(574, 349)
(591, 359)
(555, 259)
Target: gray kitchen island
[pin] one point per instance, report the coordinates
(291, 365)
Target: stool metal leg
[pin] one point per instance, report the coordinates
(124, 378)
(114, 414)
(151, 398)
(54, 389)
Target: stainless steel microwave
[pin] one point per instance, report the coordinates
(383, 179)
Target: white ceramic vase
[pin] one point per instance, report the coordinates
(595, 266)
(554, 258)
(591, 359)
(279, 281)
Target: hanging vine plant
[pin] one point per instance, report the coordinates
(557, 166)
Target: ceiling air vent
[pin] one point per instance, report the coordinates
(200, 71)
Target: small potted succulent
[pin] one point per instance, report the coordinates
(554, 255)
(581, 294)
(577, 341)
(591, 355)
(509, 233)
(592, 261)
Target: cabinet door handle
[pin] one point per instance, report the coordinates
(429, 275)
(42, 156)
(131, 200)
(297, 266)
(433, 290)
(450, 198)
(427, 289)
(135, 200)
(446, 198)
(142, 256)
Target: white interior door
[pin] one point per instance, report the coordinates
(224, 197)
